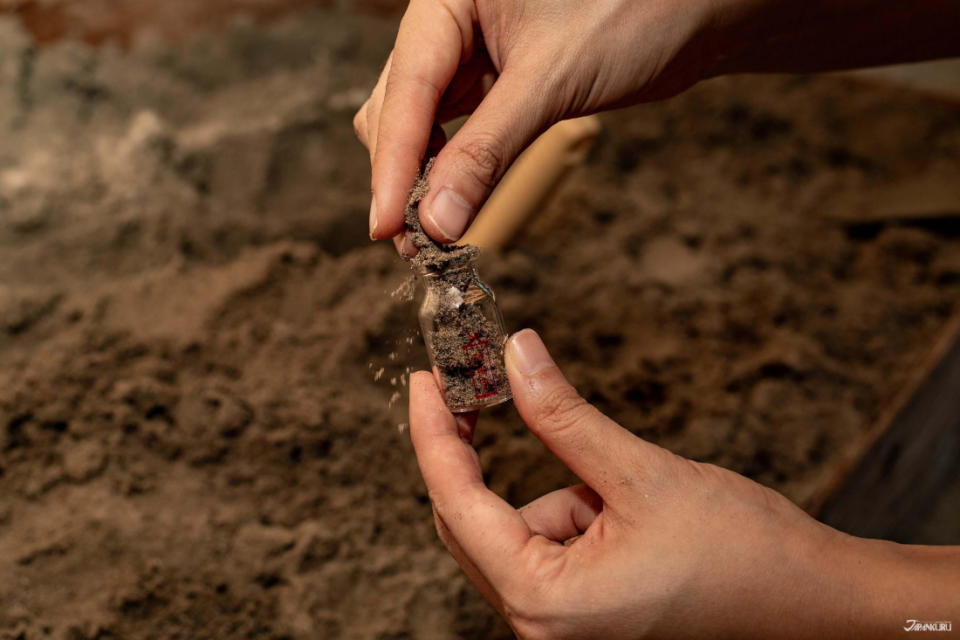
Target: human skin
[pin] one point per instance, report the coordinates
(518, 66)
(653, 545)
(669, 547)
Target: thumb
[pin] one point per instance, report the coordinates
(603, 454)
(471, 164)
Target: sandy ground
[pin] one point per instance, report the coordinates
(192, 442)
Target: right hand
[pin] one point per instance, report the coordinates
(518, 66)
(653, 545)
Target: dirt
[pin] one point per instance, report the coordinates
(463, 332)
(431, 256)
(192, 442)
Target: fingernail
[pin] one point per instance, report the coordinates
(409, 249)
(374, 221)
(404, 245)
(526, 351)
(450, 214)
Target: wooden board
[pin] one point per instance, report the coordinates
(905, 460)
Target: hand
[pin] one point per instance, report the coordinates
(654, 545)
(518, 66)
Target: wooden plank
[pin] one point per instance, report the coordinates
(931, 201)
(937, 79)
(907, 457)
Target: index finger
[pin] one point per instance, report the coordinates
(489, 531)
(430, 45)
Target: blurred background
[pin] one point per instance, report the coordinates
(203, 373)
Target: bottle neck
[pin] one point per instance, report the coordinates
(447, 272)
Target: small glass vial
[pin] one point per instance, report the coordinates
(463, 331)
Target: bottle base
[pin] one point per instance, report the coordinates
(481, 404)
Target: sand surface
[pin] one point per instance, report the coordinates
(193, 443)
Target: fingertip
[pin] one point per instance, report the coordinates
(374, 218)
(386, 224)
(422, 386)
(427, 407)
(391, 185)
(466, 423)
(525, 355)
(360, 125)
(404, 245)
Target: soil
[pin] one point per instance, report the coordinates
(192, 441)
(459, 319)
(465, 339)
(431, 256)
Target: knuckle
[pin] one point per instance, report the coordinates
(560, 409)
(440, 523)
(441, 527)
(482, 161)
(658, 469)
(527, 616)
(530, 630)
(532, 609)
(360, 122)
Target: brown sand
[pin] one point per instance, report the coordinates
(191, 440)
(432, 256)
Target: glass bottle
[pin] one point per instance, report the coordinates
(463, 332)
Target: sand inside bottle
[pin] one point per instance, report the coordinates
(461, 325)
